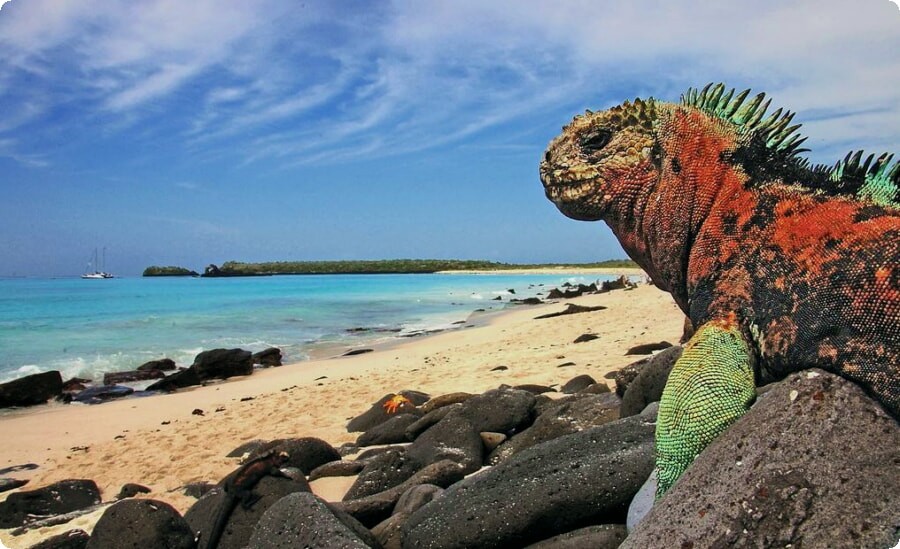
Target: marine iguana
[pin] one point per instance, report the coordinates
(238, 488)
(780, 265)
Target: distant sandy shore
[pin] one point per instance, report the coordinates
(158, 442)
(558, 270)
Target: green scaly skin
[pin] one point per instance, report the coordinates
(709, 388)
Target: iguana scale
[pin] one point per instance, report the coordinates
(780, 265)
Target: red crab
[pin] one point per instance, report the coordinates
(395, 403)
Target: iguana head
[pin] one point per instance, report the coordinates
(599, 156)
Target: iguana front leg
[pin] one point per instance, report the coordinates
(710, 386)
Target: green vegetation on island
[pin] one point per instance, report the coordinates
(168, 271)
(390, 266)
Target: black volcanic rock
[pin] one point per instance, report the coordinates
(648, 348)
(96, 395)
(373, 509)
(390, 432)
(563, 418)
(73, 539)
(141, 523)
(814, 463)
(378, 413)
(179, 380)
(113, 378)
(648, 385)
(454, 438)
(268, 357)
(603, 536)
(303, 520)
(305, 453)
(382, 472)
(31, 390)
(499, 410)
(202, 515)
(55, 499)
(578, 383)
(223, 363)
(163, 364)
(546, 490)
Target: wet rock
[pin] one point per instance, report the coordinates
(163, 365)
(131, 489)
(303, 520)
(344, 468)
(202, 515)
(268, 357)
(389, 432)
(73, 539)
(566, 417)
(114, 378)
(828, 479)
(223, 363)
(355, 352)
(179, 380)
(55, 499)
(647, 387)
(304, 453)
(603, 536)
(141, 523)
(96, 395)
(585, 477)
(375, 508)
(31, 390)
(578, 383)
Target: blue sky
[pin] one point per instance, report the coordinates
(189, 133)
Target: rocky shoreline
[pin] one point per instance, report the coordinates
(813, 464)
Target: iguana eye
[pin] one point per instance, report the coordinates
(595, 141)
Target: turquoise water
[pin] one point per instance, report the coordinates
(87, 327)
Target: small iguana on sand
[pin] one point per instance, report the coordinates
(238, 488)
(780, 265)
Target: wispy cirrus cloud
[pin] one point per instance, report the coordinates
(270, 81)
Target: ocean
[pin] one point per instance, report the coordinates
(85, 328)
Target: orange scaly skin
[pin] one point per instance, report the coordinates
(811, 276)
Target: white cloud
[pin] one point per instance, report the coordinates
(328, 83)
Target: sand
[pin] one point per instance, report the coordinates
(158, 442)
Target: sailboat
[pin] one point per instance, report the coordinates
(95, 269)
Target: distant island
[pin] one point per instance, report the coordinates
(383, 266)
(169, 271)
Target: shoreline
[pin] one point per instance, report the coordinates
(159, 442)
